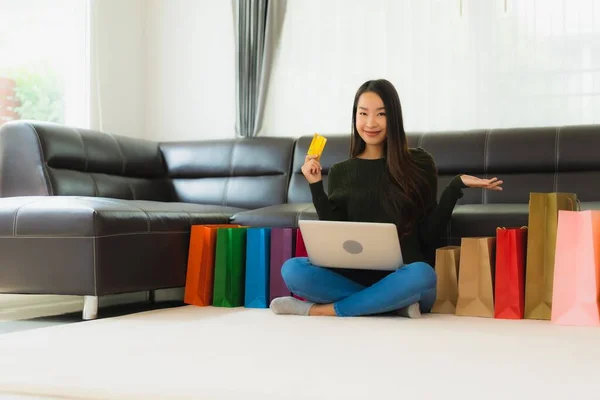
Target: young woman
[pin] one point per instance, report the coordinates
(383, 181)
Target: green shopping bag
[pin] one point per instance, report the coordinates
(230, 267)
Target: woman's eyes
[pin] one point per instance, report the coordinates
(380, 114)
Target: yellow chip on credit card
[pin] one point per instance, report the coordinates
(317, 145)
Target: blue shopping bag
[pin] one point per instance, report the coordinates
(258, 248)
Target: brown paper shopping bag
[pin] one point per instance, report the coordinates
(541, 246)
(446, 268)
(475, 281)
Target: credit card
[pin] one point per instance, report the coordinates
(317, 145)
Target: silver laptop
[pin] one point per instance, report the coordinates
(354, 245)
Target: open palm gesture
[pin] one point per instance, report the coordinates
(475, 182)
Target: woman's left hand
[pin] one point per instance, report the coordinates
(475, 182)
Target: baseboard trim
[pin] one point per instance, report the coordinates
(40, 309)
(18, 307)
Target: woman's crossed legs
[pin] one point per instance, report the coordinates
(411, 288)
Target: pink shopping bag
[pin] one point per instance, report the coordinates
(576, 269)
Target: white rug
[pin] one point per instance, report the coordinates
(212, 353)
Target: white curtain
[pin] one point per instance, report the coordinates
(485, 64)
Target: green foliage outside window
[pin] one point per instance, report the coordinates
(39, 90)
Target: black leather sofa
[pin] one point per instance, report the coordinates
(92, 214)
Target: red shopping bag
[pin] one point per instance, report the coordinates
(300, 251)
(577, 269)
(300, 247)
(511, 253)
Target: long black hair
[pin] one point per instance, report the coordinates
(406, 194)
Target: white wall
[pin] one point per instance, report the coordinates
(535, 63)
(118, 67)
(190, 70)
(163, 69)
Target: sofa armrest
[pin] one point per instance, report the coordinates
(22, 164)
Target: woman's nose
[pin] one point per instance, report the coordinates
(371, 121)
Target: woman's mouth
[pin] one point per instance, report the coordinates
(372, 133)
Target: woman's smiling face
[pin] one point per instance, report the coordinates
(371, 122)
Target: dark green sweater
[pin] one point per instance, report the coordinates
(354, 195)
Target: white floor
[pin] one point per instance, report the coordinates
(210, 353)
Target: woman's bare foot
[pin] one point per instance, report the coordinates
(323, 310)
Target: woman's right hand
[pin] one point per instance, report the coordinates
(312, 169)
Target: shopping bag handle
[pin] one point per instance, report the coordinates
(573, 206)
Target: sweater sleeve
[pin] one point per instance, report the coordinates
(434, 223)
(327, 210)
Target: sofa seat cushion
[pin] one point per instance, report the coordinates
(277, 216)
(96, 246)
(96, 216)
(472, 220)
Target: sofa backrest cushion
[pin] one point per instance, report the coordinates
(245, 172)
(51, 159)
(38, 158)
(454, 152)
(578, 161)
(546, 159)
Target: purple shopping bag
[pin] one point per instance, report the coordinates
(282, 249)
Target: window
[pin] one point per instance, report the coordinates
(44, 71)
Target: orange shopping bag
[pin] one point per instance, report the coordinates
(201, 264)
(576, 269)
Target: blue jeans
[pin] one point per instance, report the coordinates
(410, 284)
